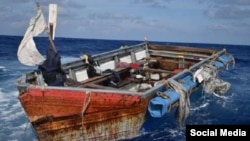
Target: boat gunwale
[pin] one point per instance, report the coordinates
(25, 85)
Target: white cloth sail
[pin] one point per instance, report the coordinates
(27, 51)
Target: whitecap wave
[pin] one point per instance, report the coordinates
(3, 68)
(220, 96)
(22, 132)
(176, 132)
(11, 116)
(203, 105)
(168, 133)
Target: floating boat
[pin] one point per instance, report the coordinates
(108, 96)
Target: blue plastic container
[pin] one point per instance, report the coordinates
(225, 59)
(188, 83)
(222, 61)
(158, 106)
(218, 64)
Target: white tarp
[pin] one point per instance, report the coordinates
(27, 51)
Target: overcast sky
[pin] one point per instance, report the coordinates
(197, 21)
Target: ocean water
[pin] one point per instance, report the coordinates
(231, 108)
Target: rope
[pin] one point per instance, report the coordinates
(184, 102)
(86, 103)
(161, 94)
(210, 82)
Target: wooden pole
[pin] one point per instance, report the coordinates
(50, 34)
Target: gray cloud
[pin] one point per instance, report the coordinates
(228, 12)
(114, 16)
(242, 26)
(232, 2)
(152, 3)
(236, 28)
(227, 9)
(228, 16)
(222, 27)
(226, 2)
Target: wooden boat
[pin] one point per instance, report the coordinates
(112, 103)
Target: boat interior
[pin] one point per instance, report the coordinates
(133, 68)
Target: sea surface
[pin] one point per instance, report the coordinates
(231, 108)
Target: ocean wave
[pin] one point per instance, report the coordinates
(12, 115)
(168, 133)
(220, 96)
(21, 132)
(203, 105)
(10, 107)
(3, 68)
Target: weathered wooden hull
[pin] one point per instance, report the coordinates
(81, 128)
(70, 114)
(108, 125)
